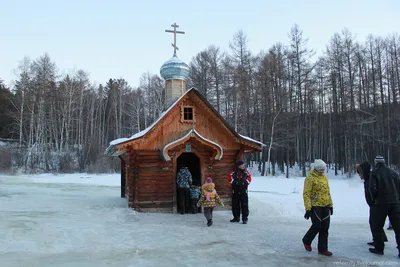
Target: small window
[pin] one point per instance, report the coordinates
(187, 114)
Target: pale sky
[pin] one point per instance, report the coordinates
(125, 38)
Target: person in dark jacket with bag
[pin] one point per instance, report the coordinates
(364, 170)
(240, 179)
(384, 187)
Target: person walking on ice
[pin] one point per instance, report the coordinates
(319, 207)
(208, 199)
(363, 170)
(384, 187)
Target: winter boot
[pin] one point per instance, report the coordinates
(244, 221)
(235, 220)
(326, 253)
(307, 247)
(209, 222)
(375, 251)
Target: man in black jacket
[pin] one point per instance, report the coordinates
(364, 170)
(384, 187)
(240, 179)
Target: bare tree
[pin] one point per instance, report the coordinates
(301, 56)
(241, 59)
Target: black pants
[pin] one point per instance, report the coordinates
(240, 203)
(320, 218)
(382, 211)
(183, 200)
(372, 216)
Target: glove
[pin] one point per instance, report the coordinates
(198, 204)
(307, 215)
(222, 205)
(331, 210)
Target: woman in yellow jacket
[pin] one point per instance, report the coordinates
(318, 206)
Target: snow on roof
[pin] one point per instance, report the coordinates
(252, 140)
(115, 142)
(119, 140)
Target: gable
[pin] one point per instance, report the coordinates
(177, 121)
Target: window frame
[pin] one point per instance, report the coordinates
(183, 107)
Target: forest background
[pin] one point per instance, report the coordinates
(342, 106)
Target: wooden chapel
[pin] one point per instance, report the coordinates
(189, 132)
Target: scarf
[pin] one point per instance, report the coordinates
(208, 194)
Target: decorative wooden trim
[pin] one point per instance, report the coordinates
(193, 134)
(183, 114)
(174, 193)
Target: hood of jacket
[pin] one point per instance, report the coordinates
(208, 187)
(365, 168)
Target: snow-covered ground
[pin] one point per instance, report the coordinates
(79, 220)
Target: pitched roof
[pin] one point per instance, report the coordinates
(111, 150)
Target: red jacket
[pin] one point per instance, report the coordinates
(239, 179)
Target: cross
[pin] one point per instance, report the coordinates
(175, 32)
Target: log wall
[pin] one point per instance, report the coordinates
(151, 181)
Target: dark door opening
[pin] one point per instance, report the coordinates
(191, 161)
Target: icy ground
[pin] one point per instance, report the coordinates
(80, 221)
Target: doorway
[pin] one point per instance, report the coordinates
(192, 162)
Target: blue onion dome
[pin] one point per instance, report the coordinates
(175, 69)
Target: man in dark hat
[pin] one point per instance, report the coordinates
(240, 179)
(384, 187)
(364, 170)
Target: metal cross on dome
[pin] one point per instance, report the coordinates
(175, 32)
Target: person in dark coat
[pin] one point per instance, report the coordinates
(184, 181)
(384, 187)
(364, 170)
(240, 179)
